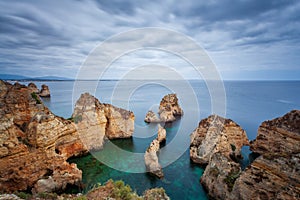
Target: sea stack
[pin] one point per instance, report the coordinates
(169, 109)
(151, 158)
(45, 92)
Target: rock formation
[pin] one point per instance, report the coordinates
(161, 134)
(95, 120)
(45, 92)
(151, 117)
(33, 88)
(216, 134)
(35, 144)
(28, 139)
(168, 110)
(273, 175)
(151, 159)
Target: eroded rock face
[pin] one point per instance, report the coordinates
(120, 122)
(219, 176)
(216, 134)
(168, 110)
(45, 92)
(29, 135)
(280, 135)
(151, 159)
(95, 120)
(274, 174)
(35, 143)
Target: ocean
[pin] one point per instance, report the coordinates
(248, 103)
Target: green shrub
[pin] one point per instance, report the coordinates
(231, 178)
(23, 195)
(77, 119)
(36, 98)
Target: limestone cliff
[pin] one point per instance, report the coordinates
(28, 138)
(168, 110)
(95, 121)
(216, 134)
(35, 143)
(274, 174)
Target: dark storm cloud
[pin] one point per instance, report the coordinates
(58, 35)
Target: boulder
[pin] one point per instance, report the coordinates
(45, 92)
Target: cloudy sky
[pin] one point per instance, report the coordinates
(245, 39)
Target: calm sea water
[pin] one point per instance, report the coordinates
(247, 102)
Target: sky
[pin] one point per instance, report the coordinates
(245, 39)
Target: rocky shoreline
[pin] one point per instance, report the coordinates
(35, 144)
(274, 174)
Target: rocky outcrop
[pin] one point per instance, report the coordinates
(151, 159)
(95, 121)
(216, 134)
(35, 143)
(161, 134)
(120, 122)
(274, 174)
(151, 117)
(29, 135)
(45, 92)
(33, 88)
(169, 109)
(280, 135)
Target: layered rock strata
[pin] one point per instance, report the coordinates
(273, 175)
(169, 109)
(216, 134)
(35, 143)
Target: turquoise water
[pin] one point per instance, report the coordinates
(247, 102)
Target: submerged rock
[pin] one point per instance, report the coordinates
(216, 134)
(45, 92)
(168, 110)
